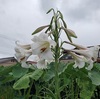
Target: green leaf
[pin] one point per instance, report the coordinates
(39, 29)
(36, 74)
(5, 70)
(18, 71)
(50, 73)
(22, 83)
(50, 93)
(97, 65)
(87, 90)
(7, 79)
(95, 77)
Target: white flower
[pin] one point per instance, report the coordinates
(90, 66)
(42, 46)
(79, 60)
(89, 53)
(42, 64)
(22, 54)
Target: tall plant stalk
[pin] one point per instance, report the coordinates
(57, 55)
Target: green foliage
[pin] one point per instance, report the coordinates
(6, 92)
(18, 71)
(94, 74)
(59, 81)
(23, 82)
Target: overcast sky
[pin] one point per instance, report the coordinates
(19, 18)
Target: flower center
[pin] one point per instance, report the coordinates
(43, 49)
(45, 46)
(22, 58)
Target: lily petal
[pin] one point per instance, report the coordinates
(23, 46)
(48, 55)
(24, 65)
(41, 64)
(79, 60)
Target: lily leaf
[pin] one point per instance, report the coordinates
(95, 77)
(18, 71)
(39, 29)
(36, 74)
(22, 83)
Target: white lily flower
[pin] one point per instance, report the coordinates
(89, 53)
(79, 60)
(28, 46)
(42, 46)
(42, 64)
(90, 66)
(22, 54)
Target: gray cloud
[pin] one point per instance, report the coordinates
(82, 10)
(19, 18)
(47, 4)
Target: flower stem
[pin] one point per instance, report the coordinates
(57, 55)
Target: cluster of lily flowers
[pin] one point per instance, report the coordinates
(84, 55)
(41, 48)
